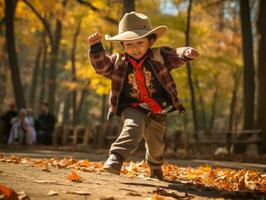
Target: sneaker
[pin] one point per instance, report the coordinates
(156, 173)
(113, 164)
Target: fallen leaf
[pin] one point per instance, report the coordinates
(74, 177)
(8, 193)
(79, 192)
(83, 163)
(160, 193)
(52, 193)
(22, 195)
(157, 197)
(107, 198)
(224, 179)
(134, 194)
(46, 170)
(44, 181)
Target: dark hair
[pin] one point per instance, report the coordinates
(152, 37)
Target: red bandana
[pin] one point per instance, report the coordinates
(143, 92)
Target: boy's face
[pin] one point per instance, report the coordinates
(137, 48)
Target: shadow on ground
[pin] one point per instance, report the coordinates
(174, 189)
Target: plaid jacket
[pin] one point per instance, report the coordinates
(162, 60)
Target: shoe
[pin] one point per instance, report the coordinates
(113, 164)
(156, 173)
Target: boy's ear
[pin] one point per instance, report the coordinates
(122, 44)
(151, 42)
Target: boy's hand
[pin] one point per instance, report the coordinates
(94, 38)
(191, 53)
(181, 109)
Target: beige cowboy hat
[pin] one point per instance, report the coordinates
(134, 26)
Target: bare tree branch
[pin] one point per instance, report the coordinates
(92, 7)
(43, 20)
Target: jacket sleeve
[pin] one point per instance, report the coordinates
(102, 63)
(174, 58)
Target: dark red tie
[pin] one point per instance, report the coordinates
(143, 91)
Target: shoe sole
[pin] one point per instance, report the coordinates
(111, 170)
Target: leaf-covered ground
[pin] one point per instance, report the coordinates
(193, 183)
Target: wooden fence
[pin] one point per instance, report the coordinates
(99, 136)
(233, 141)
(102, 135)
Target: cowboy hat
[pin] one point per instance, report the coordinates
(134, 26)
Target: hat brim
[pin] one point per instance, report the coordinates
(137, 34)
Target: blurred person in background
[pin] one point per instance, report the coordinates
(45, 125)
(22, 132)
(6, 121)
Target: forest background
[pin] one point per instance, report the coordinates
(44, 57)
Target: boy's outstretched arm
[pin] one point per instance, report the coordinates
(101, 63)
(176, 57)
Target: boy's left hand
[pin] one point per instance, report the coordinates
(191, 53)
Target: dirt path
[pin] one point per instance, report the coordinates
(37, 182)
(100, 185)
(103, 154)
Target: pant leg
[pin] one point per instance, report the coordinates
(48, 138)
(13, 134)
(132, 132)
(155, 142)
(6, 133)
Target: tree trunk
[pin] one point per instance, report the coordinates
(104, 96)
(35, 75)
(261, 28)
(213, 110)
(189, 71)
(3, 84)
(84, 94)
(235, 115)
(3, 71)
(236, 78)
(43, 85)
(52, 72)
(55, 44)
(202, 117)
(10, 6)
(185, 125)
(249, 74)
(66, 108)
(128, 6)
(74, 78)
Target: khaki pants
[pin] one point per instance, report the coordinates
(137, 125)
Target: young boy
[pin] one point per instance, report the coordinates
(142, 88)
